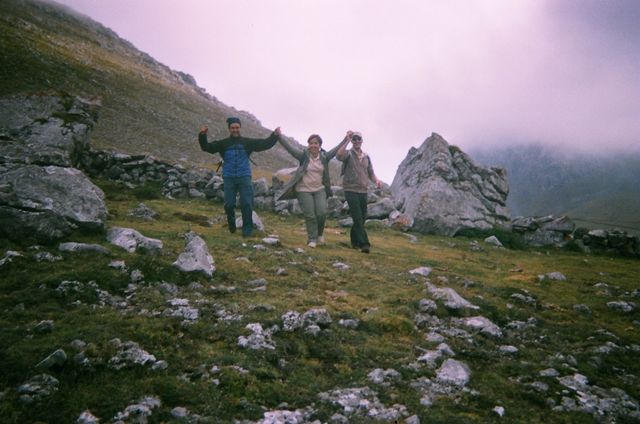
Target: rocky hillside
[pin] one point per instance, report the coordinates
(146, 106)
(596, 191)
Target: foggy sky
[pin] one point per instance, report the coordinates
(478, 72)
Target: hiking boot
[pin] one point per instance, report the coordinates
(321, 240)
(365, 250)
(312, 244)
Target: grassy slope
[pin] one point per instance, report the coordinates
(147, 108)
(376, 290)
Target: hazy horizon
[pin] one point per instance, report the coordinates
(483, 73)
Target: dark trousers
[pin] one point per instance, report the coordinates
(233, 185)
(358, 210)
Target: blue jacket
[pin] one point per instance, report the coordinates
(235, 152)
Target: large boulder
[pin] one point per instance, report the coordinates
(444, 191)
(45, 129)
(46, 203)
(42, 196)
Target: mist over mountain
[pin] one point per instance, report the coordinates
(594, 189)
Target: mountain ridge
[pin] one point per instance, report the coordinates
(594, 190)
(147, 108)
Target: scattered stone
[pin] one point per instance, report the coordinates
(136, 276)
(260, 282)
(539, 386)
(317, 316)
(74, 247)
(46, 257)
(131, 240)
(299, 416)
(139, 412)
(349, 323)
(384, 377)
(87, 418)
(259, 338)
(508, 349)
(423, 270)
(622, 306)
(341, 266)
(291, 321)
(484, 325)
(493, 240)
(452, 300)
(363, 402)
(142, 211)
(57, 358)
(195, 257)
(8, 257)
(130, 355)
(582, 308)
(524, 298)
(45, 326)
(549, 372)
(271, 241)
(553, 276)
(38, 387)
(427, 306)
(499, 410)
(453, 372)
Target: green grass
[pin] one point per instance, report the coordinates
(377, 290)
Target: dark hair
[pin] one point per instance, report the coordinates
(233, 120)
(312, 136)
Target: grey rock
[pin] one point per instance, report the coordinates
(131, 240)
(83, 247)
(87, 418)
(130, 354)
(362, 402)
(451, 298)
(549, 372)
(582, 308)
(508, 349)
(44, 326)
(318, 316)
(445, 191)
(483, 325)
(138, 412)
(291, 321)
(384, 377)
(493, 240)
(195, 257)
(423, 270)
(57, 358)
(553, 276)
(427, 306)
(46, 203)
(453, 372)
(622, 306)
(380, 209)
(349, 323)
(38, 387)
(144, 212)
(258, 340)
(271, 241)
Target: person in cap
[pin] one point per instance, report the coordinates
(236, 170)
(357, 171)
(311, 184)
